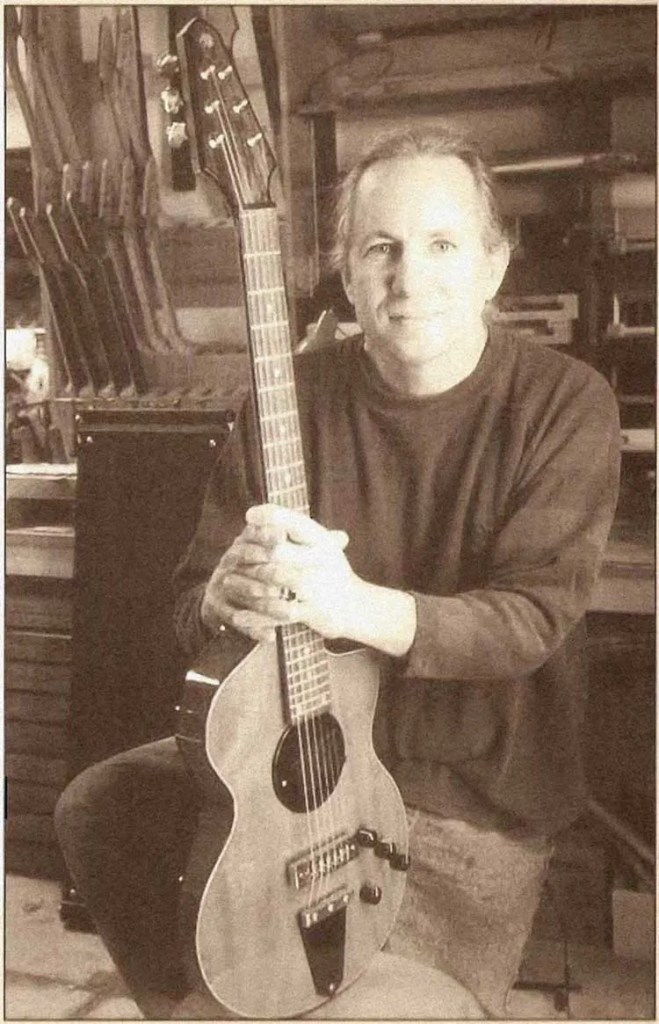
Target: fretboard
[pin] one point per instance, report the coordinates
(305, 659)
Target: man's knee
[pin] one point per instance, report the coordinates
(77, 808)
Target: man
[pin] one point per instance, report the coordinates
(461, 494)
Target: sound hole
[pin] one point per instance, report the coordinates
(308, 763)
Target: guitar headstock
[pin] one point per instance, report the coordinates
(228, 143)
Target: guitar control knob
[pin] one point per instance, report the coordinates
(400, 861)
(366, 837)
(370, 893)
(384, 849)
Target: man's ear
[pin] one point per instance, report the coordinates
(347, 287)
(499, 259)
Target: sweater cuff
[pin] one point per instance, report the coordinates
(424, 658)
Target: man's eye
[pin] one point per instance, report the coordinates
(441, 245)
(379, 249)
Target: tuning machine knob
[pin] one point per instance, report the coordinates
(168, 65)
(171, 100)
(177, 134)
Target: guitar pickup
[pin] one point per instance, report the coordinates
(320, 862)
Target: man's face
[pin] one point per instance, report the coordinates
(418, 273)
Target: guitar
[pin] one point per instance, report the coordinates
(290, 909)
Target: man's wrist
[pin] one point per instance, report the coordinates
(382, 618)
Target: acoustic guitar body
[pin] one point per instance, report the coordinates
(291, 907)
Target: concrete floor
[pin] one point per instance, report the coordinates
(55, 974)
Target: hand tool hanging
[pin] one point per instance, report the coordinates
(122, 89)
(130, 88)
(118, 191)
(69, 344)
(89, 249)
(72, 366)
(81, 332)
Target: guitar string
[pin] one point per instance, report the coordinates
(257, 276)
(253, 273)
(327, 757)
(303, 659)
(314, 747)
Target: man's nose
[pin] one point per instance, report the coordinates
(407, 273)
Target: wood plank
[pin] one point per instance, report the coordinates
(35, 738)
(30, 798)
(39, 551)
(45, 482)
(38, 677)
(24, 706)
(30, 604)
(33, 768)
(28, 645)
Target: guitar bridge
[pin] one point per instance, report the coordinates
(323, 930)
(329, 857)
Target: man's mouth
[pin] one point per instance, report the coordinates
(414, 317)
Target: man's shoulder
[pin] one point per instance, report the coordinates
(546, 369)
(318, 365)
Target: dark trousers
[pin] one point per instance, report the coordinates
(125, 827)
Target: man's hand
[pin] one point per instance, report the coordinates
(285, 567)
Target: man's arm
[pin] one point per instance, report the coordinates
(541, 570)
(232, 487)
(544, 560)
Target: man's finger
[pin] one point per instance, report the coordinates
(267, 535)
(299, 527)
(250, 554)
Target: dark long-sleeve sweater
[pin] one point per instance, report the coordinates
(491, 503)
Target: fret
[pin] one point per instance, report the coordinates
(286, 415)
(278, 495)
(276, 357)
(313, 673)
(309, 696)
(282, 445)
(267, 388)
(274, 290)
(305, 641)
(283, 487)
(258, 255)
(299, 714)
(268, 325)
(308, 676)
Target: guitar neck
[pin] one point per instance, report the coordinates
(271, 360)
(304, 657)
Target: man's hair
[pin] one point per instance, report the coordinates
(414, 142)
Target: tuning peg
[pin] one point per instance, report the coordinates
(177, 134)
(171, 99)
(168, 64)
